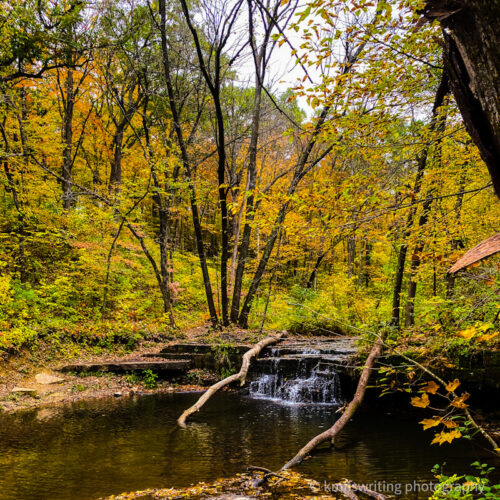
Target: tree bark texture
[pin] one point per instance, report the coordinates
(472, 61)
(68, 105)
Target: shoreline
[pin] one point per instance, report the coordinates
(40, 384)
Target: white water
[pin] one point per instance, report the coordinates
(303, 388)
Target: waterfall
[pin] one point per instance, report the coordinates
(297, 373)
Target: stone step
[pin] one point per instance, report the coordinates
(173, 355)
(187, 349)
(320, 350)
(204, 348)
(168, 365)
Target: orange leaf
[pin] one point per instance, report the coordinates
(430, 422)
(443, 437)
(431, 387)
(422, 402)
(451, 386)
(450, 424)
(459, 402)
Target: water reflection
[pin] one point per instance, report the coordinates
(88, 450)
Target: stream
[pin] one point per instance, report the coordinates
(96, 448)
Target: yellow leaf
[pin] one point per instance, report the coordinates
(443, 437)
(450, 424)
(485, 327)
(422, 402)
(459, 402)
(468, 333)
(452, 386)
(431, 387)
(488, 336)
(430, 422)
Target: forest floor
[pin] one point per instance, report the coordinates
(25, 376)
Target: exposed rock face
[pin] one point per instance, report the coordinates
(46, 379)
(24, 391)
(168, 365)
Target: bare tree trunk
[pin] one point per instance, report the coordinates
(311, 282)
(456, 242)
(415, 264)
(422, 162)
(162, 204)
(221, 169)
(419, 247)
(259, 273)
(67, 132)
(236, 238)
(237, 377)
(351, 255)
(304, 166)
(260, 64)
(214, 83)
(249, 213)
(115, 175)
(187, 166)
(302, 169)
(367, 260)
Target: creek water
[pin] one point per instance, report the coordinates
(91, 449)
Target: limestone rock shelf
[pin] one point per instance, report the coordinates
(167, 365)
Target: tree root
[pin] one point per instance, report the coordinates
(240, 376)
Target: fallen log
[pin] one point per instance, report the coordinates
(240, 376)
(349, 490)
(331, 433)
(346, 490)
(366, 491)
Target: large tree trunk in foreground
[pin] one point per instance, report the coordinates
(240, 376)
(331, 433)
(472, 61)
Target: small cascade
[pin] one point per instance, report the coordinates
(296, 373)
(317, 388)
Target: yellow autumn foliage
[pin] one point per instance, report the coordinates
(452, 386)
(421, 402)
(446, 437)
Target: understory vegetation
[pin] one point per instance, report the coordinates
(147, 190)
(161, 170)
